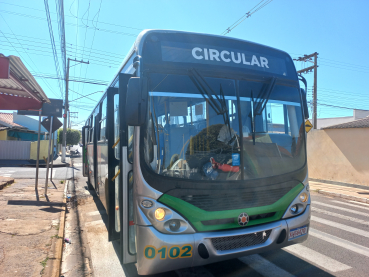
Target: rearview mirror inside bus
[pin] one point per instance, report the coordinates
(136, 104)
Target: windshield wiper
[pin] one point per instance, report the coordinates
(252, 116)
(260, 106)
(207, 92)
(264, 97)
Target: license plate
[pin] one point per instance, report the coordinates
(298, 232)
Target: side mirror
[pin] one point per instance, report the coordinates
(304, 103)
(136, 101)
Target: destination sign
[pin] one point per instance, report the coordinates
(215, 55)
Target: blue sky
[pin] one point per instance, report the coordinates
(336, 29)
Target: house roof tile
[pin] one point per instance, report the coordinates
(7, 120)
(360, 123)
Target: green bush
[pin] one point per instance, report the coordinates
(73, 136)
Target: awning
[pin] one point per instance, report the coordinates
(18, 89)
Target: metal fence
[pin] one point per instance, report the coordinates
(14, 150)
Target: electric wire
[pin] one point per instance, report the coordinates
(256, 8)
(56, 60)
(24, 60)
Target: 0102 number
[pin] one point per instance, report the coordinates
(174, 252)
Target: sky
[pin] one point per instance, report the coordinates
(103, 31)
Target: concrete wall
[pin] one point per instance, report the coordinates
(3, 135)
(44, 146)
(340, 155)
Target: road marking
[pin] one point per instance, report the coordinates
(359, 203)
(94, 223)
(351, 205)
(96, 213)
(344, 227)
(264, 267)
(340, 216)
(340, 208)
(317, 258)
(340, 242)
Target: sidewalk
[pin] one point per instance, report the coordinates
(32, 163)
(30, 236)
(347, 191)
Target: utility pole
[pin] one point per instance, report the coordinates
(66, 109)
(308, 58)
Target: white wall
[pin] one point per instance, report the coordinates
(28, 122)
(325, 122)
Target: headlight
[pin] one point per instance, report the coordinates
(298, 205)
(159, 214)
(294, 209)
(174, 225)
(163, 218)
(303, 197)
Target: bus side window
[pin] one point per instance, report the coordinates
(103, 119)
(116, 126)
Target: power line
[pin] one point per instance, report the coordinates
(55, 54)
(61, 28)
(72, 24)
(74, 48)
(72, 15)
(93, 39)
(46, 83)
(258, 7)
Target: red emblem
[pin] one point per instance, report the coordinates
(243, 219)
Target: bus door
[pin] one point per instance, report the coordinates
(95, 155)
(125, 196)
(85, 132)
(112, 186)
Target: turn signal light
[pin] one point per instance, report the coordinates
(159, 214)
(303, 197)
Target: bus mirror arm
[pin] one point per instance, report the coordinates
(303, 96)
(137, 98)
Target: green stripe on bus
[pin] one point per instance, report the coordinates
(196, 215)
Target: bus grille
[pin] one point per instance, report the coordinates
(235, 199)
(236, 242)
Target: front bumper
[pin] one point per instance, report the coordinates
(177, 255)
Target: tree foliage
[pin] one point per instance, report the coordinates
(73, 136)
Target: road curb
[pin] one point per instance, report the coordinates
(344, 196)
(3, 184)
(59, 244)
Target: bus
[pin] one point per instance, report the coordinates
(197, 150)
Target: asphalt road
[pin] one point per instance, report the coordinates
(338, 245)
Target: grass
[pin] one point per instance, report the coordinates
(43, 263)
(61, 182)
(55, 236)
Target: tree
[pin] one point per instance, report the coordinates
(73, 136)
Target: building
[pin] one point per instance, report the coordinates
(340, 152)
(326, 122)
(19, 127)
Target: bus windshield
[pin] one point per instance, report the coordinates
(206, 128)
